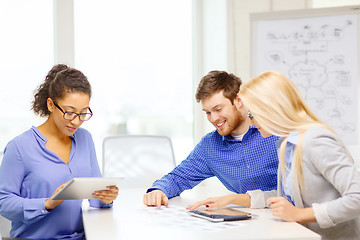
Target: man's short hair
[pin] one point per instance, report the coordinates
(216, 81)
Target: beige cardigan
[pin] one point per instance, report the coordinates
(331, 186)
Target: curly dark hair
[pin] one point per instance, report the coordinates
(216, 81)
(61, 79)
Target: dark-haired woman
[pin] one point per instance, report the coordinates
(37, 163)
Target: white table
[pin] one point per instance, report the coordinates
(130, 219)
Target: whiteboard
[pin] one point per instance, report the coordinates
(319, 51)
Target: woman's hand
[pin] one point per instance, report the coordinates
(283, 209)
(219, 202)
(51, 204)
(107, 196)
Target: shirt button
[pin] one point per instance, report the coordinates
(43, 211)
(248, 166)
(244, 144)
(254, 183)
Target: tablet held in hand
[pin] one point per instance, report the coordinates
(83, 188)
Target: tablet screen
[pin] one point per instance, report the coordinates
(83, 188)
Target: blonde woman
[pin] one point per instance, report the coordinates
(318, 184)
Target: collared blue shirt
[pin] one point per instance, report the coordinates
(241, 166)
(290, 148)
(30, 173)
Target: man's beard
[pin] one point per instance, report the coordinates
(233, 123)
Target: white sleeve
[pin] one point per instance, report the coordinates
(322, 216)
(258, 197)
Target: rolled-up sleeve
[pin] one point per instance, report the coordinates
(186, 175)
(322, 215)
(258, 197)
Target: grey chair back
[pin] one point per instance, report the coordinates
(5, 227)
(5, 224)
(140, 159)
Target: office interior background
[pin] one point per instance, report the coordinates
(143, 58)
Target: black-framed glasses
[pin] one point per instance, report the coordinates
(71, 115)
(250, 116)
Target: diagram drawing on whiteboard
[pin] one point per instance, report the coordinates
(320, 55)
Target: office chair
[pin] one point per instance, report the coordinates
(140, 159)
(5, 227)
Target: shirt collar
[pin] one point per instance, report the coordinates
(43, 138)
(293, 138)
(39, 134)
(231, 139)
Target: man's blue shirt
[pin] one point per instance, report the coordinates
(241, 166)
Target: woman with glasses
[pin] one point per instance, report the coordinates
(318, 183)
(38, 163)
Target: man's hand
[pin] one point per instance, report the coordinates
(156, 198)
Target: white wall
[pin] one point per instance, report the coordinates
(64, 32)
(212, 49)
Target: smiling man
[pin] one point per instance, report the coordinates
(235, 152)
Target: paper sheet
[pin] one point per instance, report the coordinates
(178, 217)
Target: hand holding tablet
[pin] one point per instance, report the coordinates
(83, 188)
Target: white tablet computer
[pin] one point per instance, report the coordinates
(83, 188)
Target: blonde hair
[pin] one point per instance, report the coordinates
(277, 105)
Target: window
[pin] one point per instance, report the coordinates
(138, 58)
(26, 47)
